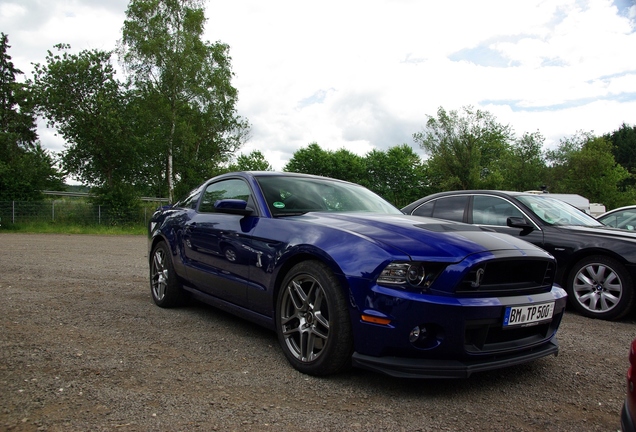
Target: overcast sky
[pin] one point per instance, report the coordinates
(364, 74)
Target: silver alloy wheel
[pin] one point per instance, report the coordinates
(304, 318)
(597, 287)
(159, 274)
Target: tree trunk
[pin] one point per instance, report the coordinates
(169, 168)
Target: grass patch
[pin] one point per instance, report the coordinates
(54, 228)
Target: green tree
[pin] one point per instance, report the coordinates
(398, 174)
(624, 149)
(341, 164)
(584, 164)
(25, 167)
(80, 97)
(524, 166)
(310, 160)
(187, 82)
(464, 148)
(347, 166)
(254, 161)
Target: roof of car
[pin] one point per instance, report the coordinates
(481, 191)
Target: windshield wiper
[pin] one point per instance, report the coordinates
(290, 214)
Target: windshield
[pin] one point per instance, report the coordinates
(557, 212)
(293, 195)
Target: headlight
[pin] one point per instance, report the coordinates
(409, 274)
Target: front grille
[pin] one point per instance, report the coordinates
(481, 337)
(509, 276)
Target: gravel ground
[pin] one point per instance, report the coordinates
(82, 347)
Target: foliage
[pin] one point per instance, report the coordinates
(524, 165)
(25, 167)
(72, 212)
(79, 95)
(122, 201)
(464, 149)
(584, 164)
(341, 164)
(254, 161)
(624, 150)
(187, 84)
(56, 228)
(310, 160)
(398, 174)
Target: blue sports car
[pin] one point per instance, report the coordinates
(344, 278)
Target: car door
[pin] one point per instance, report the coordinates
(217, 245)
(493, 212)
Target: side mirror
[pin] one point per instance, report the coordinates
(233, 206)
(519, 222)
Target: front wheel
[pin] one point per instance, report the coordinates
(600, 287)
(164, 286)
(312, 320)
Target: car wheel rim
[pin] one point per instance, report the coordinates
(304, 318)
(159, 274)
(597, 287)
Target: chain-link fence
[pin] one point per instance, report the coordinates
(73, 213)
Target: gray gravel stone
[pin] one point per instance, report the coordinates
(82, 347)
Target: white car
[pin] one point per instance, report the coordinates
(622, 217)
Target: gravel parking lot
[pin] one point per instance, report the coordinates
(82, 347)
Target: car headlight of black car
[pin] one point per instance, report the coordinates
(410, 275)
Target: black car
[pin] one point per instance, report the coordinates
(596, 264)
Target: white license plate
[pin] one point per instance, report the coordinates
(528, 314)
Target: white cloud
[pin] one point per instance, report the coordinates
(365, 74)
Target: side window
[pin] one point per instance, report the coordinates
(224, 189)
(425, 209)
(625, 219)
(490, 210)
(451, 208)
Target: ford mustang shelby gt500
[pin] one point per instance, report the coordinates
(345, 278)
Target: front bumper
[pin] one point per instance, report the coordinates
(430, 368)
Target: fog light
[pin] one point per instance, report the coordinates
(415, 334)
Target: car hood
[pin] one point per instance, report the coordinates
(603, 231)
(424, 238)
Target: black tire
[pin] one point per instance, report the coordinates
(312, 320)
(600, 287)
(165, 287)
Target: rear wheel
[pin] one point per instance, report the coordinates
(164, 286)
(600, 287)
(312, 320)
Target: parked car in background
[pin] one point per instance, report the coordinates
(623, 218)
(343, 277)
(628, 421)
(596, 264)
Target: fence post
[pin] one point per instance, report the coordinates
(13, 212)
(53, 211)
(99, 215)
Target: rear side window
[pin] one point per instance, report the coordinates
(425, 209)
(450, 208)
